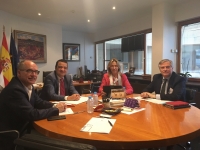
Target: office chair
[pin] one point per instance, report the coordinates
(37, 142)
(7, 138)
(95, 87)
(45, 73)
(189, 96)
(197, 99)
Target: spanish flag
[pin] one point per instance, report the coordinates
(5, 62)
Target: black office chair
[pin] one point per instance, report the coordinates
(189, 96)
(95, 87)
(45, 73)
(37, 142)
(197, 99)
(7, 138)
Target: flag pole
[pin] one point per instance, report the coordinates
(3, 28)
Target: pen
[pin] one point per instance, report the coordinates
(110, 123)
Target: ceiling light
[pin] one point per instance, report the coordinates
(88, 21)
(113, 7)
(39, 14)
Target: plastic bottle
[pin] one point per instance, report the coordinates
(90, 104)
(95, 99)
(124, 88)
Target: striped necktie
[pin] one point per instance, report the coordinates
(163, 86)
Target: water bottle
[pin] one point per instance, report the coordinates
(95, 99)
(124, 89)
(90, 104)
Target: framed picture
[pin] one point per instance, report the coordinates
(31, 46)
(71, 52)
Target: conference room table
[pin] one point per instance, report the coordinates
(155, 126)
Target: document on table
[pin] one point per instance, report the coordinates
(81, 100)
(100, 125)
(156, 101)
(135, 110)
(66, 112)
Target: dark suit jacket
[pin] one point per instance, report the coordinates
(16, 109)
(51, 87)
(176, 83)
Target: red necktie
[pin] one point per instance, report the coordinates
(62, 87)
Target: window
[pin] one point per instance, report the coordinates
(135, 59)
(189, 47)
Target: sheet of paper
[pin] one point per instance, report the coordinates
(100, 125)
(67, 111)
(156, 101)
(81, 100)
(133, 111)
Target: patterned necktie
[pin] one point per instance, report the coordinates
(62, 87)
(163, 86)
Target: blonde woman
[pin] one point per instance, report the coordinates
(115, 77)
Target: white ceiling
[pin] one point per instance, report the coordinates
(73, 14)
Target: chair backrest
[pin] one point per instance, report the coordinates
(7, 138)
(45, 73)
(197, 99)
(42, 143)
(190, 94)
(95, 87)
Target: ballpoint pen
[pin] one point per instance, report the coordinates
(110, 123)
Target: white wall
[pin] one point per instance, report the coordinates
(187, 10)
(86, 50)
(55, 38)
(134, 25)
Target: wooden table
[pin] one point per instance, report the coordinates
(80, 86)
(156, 126)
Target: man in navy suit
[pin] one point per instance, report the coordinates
(173, 89)
(19, 104)
(52, 89)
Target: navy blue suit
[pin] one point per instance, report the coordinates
(16, 109)
(175, 89)
(51, 87)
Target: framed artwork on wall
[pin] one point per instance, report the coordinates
(71, 52)
(31, 46)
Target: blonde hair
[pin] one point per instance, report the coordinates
(110, 63)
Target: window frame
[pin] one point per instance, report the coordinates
(180, 24)
(138, 32)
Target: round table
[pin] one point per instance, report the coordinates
(156, 126)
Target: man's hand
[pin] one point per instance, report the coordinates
(147, 95)
(144, 94)
(73, 97)
(61, 106)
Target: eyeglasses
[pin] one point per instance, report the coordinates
(30, 71)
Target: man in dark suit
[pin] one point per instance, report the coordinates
(20, 104)
(167, 85)
(54, 89)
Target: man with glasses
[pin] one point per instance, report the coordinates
(58, 84)
(167, 85)
(20, 104)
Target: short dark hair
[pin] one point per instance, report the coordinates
(60, 60)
